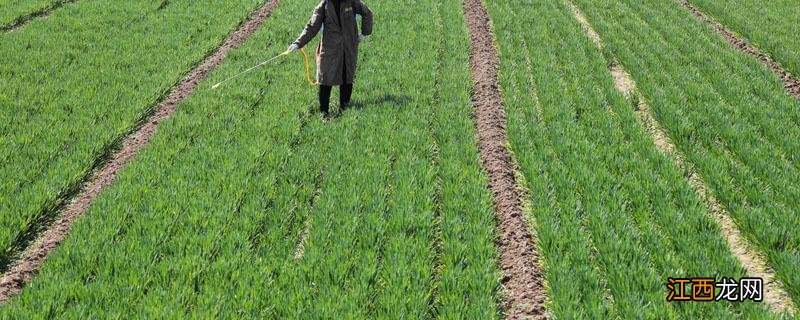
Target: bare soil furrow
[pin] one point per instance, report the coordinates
(43, 12)
(774, 294)
(519, 261)
(23, 270)
(791, 83)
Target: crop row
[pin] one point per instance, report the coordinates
(615, 217)
(247, 204)
(771, 25)
(72, 85)
(725, 111)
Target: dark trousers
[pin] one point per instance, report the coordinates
(345, 91)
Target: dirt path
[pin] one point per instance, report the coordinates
(24, 19)
(523, 280)
(774, 294)
(791, 83)
(25, 268)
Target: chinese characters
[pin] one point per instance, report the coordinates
(708, 289)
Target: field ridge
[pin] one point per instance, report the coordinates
(24, 269)
(524, 294)
(774, 295)
(28, 17)
(791, 83)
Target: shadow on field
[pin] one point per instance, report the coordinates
(388, 100)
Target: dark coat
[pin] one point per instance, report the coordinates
(338, 50)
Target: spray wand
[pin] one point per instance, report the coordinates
(285, 53)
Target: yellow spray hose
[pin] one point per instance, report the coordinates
(308, 69)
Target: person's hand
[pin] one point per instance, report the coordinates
(293, 48)
(361, 38)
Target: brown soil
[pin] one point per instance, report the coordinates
(791, 83)
(523, 281)
(23, 270)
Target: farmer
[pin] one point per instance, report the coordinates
(337, 53)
